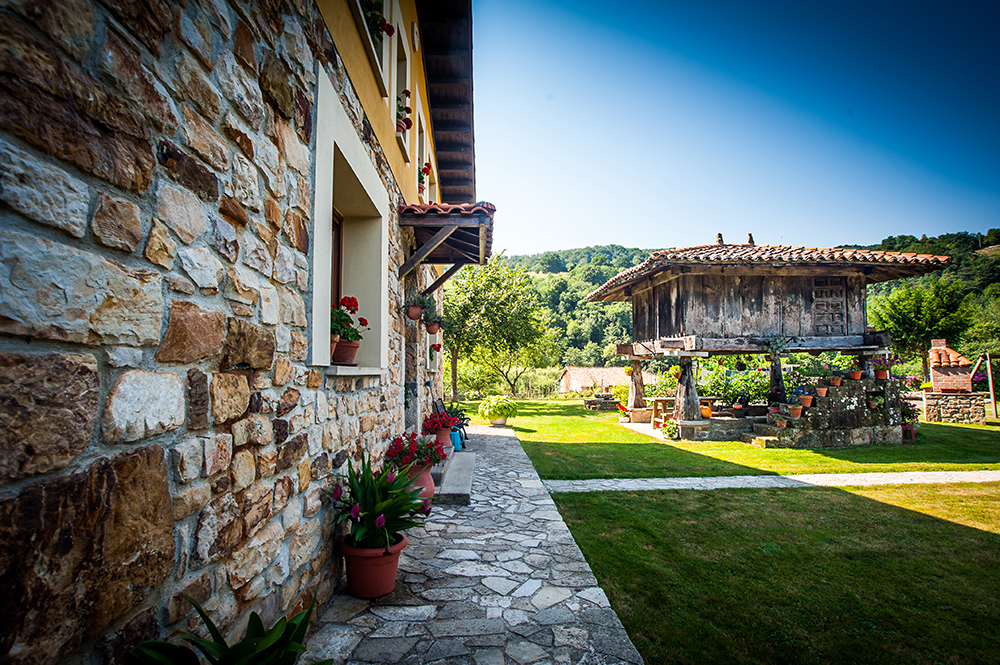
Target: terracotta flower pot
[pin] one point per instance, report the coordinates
(371, 572)
(443, 436)
(872, 404)
(881, 373)
(806, 400)
(855, 375)
(414, 312)
(333, 344)
(421, 187)
(773, 409)
(401, 126)
(835, 380)
(781, 423)
(345, 352)
(821, 391)
(421, 477)
(433, 328)
(795, 411)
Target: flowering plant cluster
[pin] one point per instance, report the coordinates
(913, 382)
(885, 362)
(435, 348)
(910, 412)
(379, 504)
(341, 322)
(628, 371)
(439, 421)
(425, 171)
(403, 109)
(623, 409)
(375, 20)
(411, 448)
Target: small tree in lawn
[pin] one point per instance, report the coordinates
(914, 316)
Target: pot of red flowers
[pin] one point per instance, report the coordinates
(414, 455)
(434, 348)
(440, 424)
(422, 174)
(343, 325)
(855, 371)
(403, 112)
(380, 505)
(882, 365)
(624, 415)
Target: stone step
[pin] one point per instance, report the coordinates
(456, 485)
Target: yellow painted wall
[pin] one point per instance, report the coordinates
(349, 38)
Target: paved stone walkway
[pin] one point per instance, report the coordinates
(498, 582)
(798, 480)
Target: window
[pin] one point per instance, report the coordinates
(351, 236)
(829, 306)
(377, 46)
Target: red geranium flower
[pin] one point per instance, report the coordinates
(406, 92)
(408, 122)
(363, 321)
(389, 30)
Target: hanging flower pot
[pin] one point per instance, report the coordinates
(835, 380)
(881, 373)
(433, 328)
(821, 391)
(414, 312)
(344, 353)
(795, 411)
(421, 477)
(855, 375)
(806, 400)
(371, 572)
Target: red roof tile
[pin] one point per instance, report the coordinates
(773, 255)
(945, 357)
(467, 209)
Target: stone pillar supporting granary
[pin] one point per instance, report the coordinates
(186, 189)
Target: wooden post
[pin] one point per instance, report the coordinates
(989, 374)
(776, 393)
(686, 405)
(636, 389)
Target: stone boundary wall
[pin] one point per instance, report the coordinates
(955, 408)
(162, 433)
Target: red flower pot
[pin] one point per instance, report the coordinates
(909, 432)
(333, 344)
(773, 409)
(414, 312)
(401, 126)
(443, 436)
(821, 391)
(881, 373)
(806, 400)
(835, 380)
(781, 423)
(345, 352)
(433, 328)
(795, 411)
(421, 477)
(371, 572)
(855, 375)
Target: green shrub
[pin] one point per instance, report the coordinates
(498, 406)
(620, 393)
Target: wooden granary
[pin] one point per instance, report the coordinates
(747, 298)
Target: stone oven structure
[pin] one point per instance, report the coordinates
(950, 370)
(186, 188)
(951, 399)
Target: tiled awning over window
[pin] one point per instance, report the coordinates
(452, 234)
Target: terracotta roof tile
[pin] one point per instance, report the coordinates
(771, 255)
(449, 209)
(945, 357)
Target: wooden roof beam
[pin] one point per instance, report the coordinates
(426, 249)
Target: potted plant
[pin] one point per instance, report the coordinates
(821, 391)
(280, 644)
(414, 455)
(380, 505)
(670, 429)
(927, 386)
(432, 349)
(432, 321)
(875, 401)
(403, 111)
(422, 175)
(855, 371)
(774, 408)
(781, 422)
(882, 365)
(498, 408)
(910, 414)
(375, 20)
(440, 424)
(415, 305)
(805, 399)
(342, 324)
(623, 414)
(795, 410)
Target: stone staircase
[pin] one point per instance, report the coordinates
(842, 418)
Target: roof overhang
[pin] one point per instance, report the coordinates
(446, 45)
(448, 234)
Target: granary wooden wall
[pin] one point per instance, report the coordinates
(751, 304)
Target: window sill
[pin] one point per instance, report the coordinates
(369, 46)
(341, 370)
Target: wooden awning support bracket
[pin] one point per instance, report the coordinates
(445, 277)
(426, 249)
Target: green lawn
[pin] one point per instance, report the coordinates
(805, 575)
(567, 442)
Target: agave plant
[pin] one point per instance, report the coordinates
(280, 645)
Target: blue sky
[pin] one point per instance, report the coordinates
(660, 124)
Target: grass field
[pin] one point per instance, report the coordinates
(813, 575)
(567, 442)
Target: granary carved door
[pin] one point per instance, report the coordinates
(829, 306)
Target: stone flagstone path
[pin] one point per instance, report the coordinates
(498, 582)
(796, 480)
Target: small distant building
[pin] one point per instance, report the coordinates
(577, 379)
(949, 369)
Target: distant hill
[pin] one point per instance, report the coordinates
(565, 260)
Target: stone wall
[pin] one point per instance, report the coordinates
(162, 433)
(955, 408)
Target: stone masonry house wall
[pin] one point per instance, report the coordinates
(162, 430)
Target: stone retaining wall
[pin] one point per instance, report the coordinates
(955, 408)
(162, 433)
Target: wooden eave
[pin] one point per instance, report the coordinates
(446, 45)
(456, 239)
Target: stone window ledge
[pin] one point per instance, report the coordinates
(338, 370)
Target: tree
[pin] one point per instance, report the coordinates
(983, 334)
(495, 312)
(914, 316)
(551, 262)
